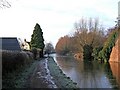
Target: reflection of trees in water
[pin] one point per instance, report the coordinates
(92, 66)
(110, 74)
(65, 62)
(90, 77)
(86, 74)
(70, 65)
(115, 68)
(88, 66)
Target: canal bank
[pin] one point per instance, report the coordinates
(60, 79)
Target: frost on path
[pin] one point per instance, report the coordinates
(41, 77)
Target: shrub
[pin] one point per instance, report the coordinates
(14, 60)
(30, 54)
(95, 53)
(35, 53)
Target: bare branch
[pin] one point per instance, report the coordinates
(4, 4)
(87, 32)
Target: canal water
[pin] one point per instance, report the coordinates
(88, 74)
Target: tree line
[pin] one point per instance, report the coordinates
(89, 39)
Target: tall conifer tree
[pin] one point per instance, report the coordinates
(37, 40)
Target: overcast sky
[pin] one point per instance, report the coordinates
(56, 17)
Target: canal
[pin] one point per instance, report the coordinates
(89, 74)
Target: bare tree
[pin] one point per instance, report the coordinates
(49, 48)
(89, 35)
(63, 45)
(5, 4)
(89, 32)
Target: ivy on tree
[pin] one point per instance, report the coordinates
(37, 40)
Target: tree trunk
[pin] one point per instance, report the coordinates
(41, 53)
(87, 53)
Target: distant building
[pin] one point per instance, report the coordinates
(26, 45)
(9, 43)
(118, 13)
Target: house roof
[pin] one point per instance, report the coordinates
(9, 43)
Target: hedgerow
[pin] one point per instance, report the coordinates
(13, 60)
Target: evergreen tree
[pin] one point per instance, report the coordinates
(37, 40)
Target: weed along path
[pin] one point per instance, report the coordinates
(47, 74)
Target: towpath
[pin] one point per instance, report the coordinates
(41, 78)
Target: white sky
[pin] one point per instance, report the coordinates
(56, 17)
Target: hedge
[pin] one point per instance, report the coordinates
(104, 54)
(13, 60)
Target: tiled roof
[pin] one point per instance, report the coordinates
(9, 43)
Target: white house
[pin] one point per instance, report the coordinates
(26, 46)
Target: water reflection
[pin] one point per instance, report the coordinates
(85, 74)
(115, 67)
(110, 76)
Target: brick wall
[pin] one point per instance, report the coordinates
(115, 54)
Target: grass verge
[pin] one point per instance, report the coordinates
(60, 79)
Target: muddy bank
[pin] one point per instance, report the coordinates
(60, 79)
